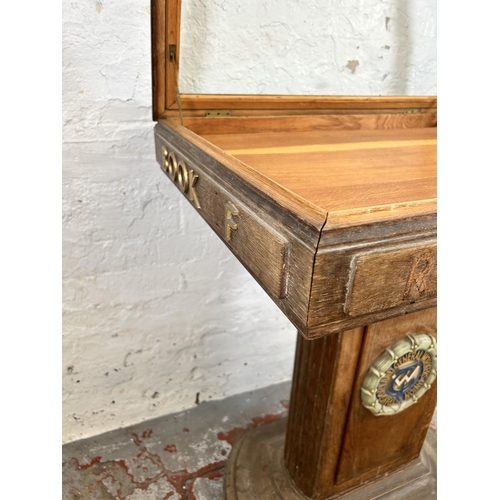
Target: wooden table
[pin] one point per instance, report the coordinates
(336, 220)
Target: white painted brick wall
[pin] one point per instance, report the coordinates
(155, 308)
(322, 47)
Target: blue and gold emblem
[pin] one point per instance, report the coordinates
(400, 375)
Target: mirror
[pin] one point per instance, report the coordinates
(309, 47)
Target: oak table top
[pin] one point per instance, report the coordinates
(343, 170)
(338, 226)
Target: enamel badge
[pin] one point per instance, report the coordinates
(400, 375)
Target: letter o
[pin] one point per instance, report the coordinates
(172, 166)
(182, 176)
(164, 163)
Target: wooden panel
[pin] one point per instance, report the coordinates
(258, 124)
(343, 170)
(165, 31)
(336, 413)
(389, 113)
(390, 278)
(262, 249)
(158, 56)
(333, 443)
(308, 403)
(374, 445)
(321, 390)
(173, 38)
(217, 101)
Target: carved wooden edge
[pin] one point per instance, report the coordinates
(343, 242)
(362, 231)
(362, 217)
(316, 332)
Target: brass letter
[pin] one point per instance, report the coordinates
(164, 163)
(172, 166)
(183, 177)
(180, 174)
(193, 179)
(230, 223)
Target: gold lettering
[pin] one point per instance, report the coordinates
(183, 176)
(172, 166)
(164, 163)
(230, 223)
(193, 179)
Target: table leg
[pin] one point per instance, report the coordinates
(333, 446)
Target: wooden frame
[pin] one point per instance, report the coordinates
(165, 32)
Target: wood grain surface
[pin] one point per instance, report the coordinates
(343, 170)
(333, 443)
(311, 277)
(158, 57)
(277, 234)
(374, 445)
(220, 101)
(381, 280)
(322, 384)
(165, 31)
(259, 121)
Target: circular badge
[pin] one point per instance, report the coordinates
(400, 375)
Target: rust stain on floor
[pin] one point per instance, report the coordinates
(178, 457)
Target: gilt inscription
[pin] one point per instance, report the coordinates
(230, 223)
(181, 174)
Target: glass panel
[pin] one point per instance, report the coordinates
(309, 47)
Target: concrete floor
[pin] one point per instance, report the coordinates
(177, 457)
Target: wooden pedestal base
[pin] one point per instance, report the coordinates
(256, 471)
